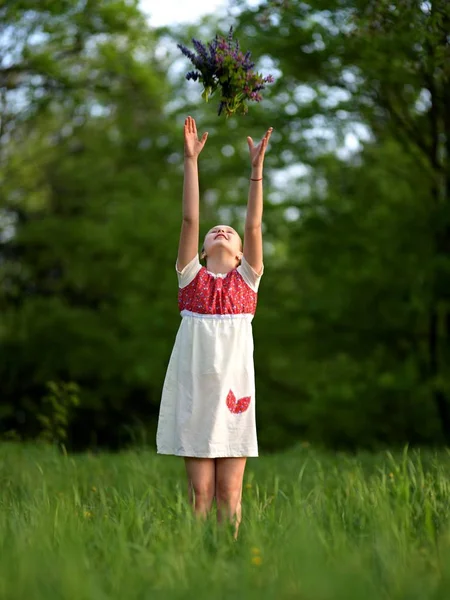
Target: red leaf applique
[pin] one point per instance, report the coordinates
(237, 405)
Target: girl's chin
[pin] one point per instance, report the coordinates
(220, 249)
(220, 243)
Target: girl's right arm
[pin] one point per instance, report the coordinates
(188, 246)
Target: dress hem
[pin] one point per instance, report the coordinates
(217, 454)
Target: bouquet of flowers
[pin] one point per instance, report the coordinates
(221, 64)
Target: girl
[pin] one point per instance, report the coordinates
(207, 412)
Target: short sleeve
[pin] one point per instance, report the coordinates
(186, 275)
(251, 277)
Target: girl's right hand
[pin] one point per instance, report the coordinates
(192, 145)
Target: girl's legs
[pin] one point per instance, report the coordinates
(201, 483)
(228, 489)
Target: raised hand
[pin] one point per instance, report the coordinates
(192, 145)
(257, 152)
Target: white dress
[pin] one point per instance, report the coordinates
(208, 399)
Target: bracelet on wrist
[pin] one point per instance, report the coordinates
(251, 179)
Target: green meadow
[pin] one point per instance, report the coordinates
(316, 526)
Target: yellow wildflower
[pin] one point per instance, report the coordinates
(248, 486)
(87, 514)
(256, 560)
(255, 550)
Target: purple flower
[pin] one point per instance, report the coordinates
(230, 37)
(201, 50)
(186, 52)
(220, 64)
(194, 75)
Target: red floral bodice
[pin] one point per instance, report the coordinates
(210, 295)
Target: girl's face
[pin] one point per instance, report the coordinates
(223, 237)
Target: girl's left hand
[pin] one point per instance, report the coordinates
(257, 152)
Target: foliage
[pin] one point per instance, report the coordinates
(85, 229)
(360, 307)
(352, 330)
(314, 525)
(57, 405)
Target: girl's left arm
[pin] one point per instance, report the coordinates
(253, 249)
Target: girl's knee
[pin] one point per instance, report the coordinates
(229, 494)
(203, 493)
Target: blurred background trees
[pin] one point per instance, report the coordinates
(353, 322)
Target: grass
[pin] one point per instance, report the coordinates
(315, 526)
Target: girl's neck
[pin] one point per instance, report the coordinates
(221, 264)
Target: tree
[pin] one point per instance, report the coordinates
(382, 65)
(86, 213)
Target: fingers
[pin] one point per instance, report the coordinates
(193, 145)
(190, 126)
(265, 141)
(258, 152)
(267, 135)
